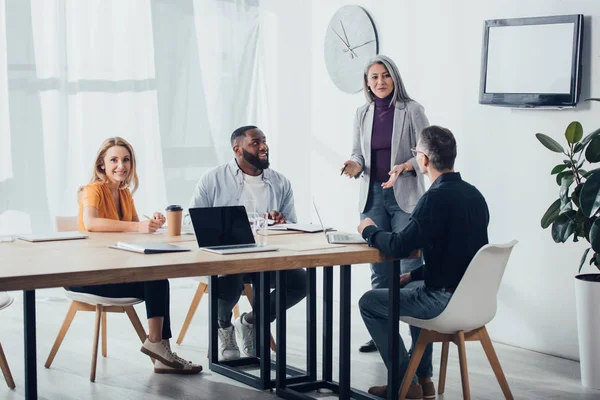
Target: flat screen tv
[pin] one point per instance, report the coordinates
(532, 62)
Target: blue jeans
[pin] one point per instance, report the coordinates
(383, 209)
(418, 302)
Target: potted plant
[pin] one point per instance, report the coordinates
(575, 214)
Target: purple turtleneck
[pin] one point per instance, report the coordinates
(381, 139)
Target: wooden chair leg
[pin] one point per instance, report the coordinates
(236, 312)
(104, 338)
(415, 359)
(443, 367)
(6, 370)
(96, 339)
(137, 325)
(488, 347)
(462, 357)
(193, 307)
(61, 333)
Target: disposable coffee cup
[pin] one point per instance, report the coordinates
(174, 218)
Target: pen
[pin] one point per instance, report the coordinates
(145, 216)
(343, 169)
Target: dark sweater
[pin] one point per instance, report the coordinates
(449, 223)
(381, 139)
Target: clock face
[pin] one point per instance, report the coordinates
(350, 41)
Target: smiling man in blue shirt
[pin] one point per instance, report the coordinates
(450, 224)
(247, 177)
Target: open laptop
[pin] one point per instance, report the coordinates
(338, 237)
(52, 236)
(225, 230)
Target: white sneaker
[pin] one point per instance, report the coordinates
(228, 347)
(246, 333)
(167, 362)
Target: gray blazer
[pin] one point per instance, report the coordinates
(409, 121)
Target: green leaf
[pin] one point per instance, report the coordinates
(563, 194)
(592, 152)
(595, 235)
(587, 174)
(589, 198)
(563, 227)
(582, 171)
(585, 253)
(559, 177)
(558, 168)
(551, 214)
(579, 146)
(576, 193)
(574, 132)
(549, 143)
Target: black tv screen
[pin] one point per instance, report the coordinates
(532, 62)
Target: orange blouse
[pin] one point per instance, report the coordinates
(98, 195)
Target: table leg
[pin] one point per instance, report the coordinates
(328, 324)
(213, 324)
(345, 311)
(311, 324)
(281, 286)
(264, 328)
(30, 345)
(394, 330)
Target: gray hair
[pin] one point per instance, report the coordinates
(399, 93)
(439, 145)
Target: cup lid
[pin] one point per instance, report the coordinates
(174, 207)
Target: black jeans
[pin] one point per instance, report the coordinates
(231, 287)
(154, 293)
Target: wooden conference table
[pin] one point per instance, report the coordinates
(29, 266)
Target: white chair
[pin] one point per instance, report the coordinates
(471, 307)
(5, 301)
(200, 291)
(100, 305)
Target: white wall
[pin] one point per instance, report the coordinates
(437, 46)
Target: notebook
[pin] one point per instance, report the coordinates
(52, 236)
(225, 230)
(148, 247)
(308, 228)
(338, 237)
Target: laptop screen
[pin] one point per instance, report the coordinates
(221, 226)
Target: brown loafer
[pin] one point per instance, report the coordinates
(414, 391)
(428, 390)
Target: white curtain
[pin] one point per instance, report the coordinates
(172, 77)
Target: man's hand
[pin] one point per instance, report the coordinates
(277, 217)
(405, 279)
(364, 223)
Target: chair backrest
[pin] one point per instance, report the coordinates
(5, 300)
(66, 224)
(473, 303)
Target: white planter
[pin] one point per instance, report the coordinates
(587, 295)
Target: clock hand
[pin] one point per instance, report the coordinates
(346, 36)
(360, 45)
(352, 54)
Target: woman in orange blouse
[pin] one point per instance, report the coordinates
(106, 205)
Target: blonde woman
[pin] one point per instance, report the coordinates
(106, 205)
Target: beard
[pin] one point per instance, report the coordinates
(255, 161)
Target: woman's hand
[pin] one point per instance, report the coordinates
(160, 218)
(149, 225)
(351, 168)
(405, 279)
(394, 174)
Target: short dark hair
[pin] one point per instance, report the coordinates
(241, 131)
(439, 146)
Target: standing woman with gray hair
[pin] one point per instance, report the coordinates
(386, 128)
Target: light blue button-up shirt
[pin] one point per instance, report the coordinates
(223, 185)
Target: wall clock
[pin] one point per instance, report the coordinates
(350, 41)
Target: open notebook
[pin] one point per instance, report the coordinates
(148, 247)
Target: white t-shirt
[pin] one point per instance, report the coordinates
(255, 189)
